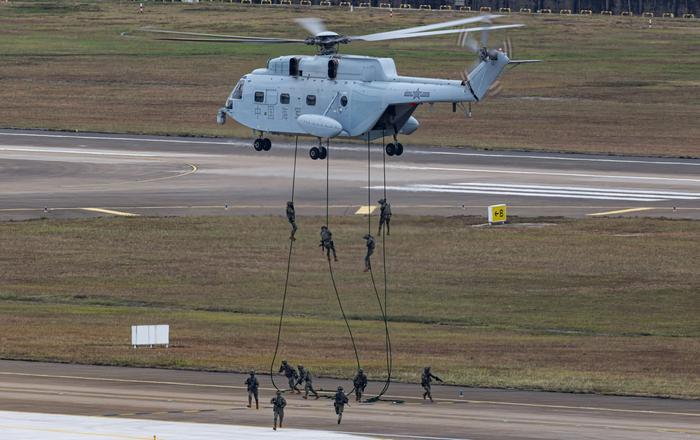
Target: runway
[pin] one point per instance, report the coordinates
(59, 175)
(458, 413)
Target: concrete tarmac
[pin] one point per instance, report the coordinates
(56, 174)
(457, 413)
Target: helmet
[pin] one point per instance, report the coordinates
(252, 372)
(290, 203)
(284, 362)
(366, 236)
(301, 367)
(360, 370)
(427, 368)
(324, 227)
(340, 388)
(381, 201)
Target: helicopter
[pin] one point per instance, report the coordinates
(330, 95)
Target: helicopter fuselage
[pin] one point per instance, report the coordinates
(344, 95)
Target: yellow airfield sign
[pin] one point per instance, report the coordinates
(497, 213)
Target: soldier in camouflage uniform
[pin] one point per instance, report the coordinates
(384, 216)
(278, 403)
(327, 243)
(425, 380)
(252, 385)
(305, 376)
(370, 251)
(339, 403)
(291, 375)
(360, 383)
(291, 218)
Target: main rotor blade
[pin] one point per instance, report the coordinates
(382, 35)
(314, 26)
(442, 32)
(215, 37)
(230, 40)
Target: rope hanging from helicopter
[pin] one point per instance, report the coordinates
(382, 308)
(286, 279)
(330, 266)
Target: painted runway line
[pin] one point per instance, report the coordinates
(564, 192)
(619, 211)
(536, 173)
(288, 145)
(110, 212)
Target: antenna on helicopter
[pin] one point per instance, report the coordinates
(329, 42)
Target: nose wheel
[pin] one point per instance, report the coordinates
(394, 149)
(318, 153)
(262, 144)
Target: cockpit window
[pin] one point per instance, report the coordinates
(238, 91)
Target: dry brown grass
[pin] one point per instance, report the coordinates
(609, 84)
(578, 306)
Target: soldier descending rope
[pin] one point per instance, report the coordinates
(384, 216)
(327, 243)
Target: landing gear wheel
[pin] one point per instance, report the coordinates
(266, 144)
(314, 153)
(258, 144)
(399, 149)
(324, 153)
(390, 149)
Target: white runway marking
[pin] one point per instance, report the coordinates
(537, 173)
(565, 192)
(573, 159)
(132, 139)
(534, 156)
(32, 426)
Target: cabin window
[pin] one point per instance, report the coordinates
(332, 69)
(344, 100)
(294, 67)
(238, 91)
(284, 98)
(310, 99)
(259, 96)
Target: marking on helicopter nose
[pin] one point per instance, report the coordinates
(365, 210)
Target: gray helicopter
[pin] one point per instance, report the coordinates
(331, 95)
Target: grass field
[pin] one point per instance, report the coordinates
(598, 305)
(609, 84)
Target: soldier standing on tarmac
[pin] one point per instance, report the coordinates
(327, 243)
(370, 251)
(360, 383)
(384, 216)
(291, 218)
(291, 375)
(425, 380)
(340, 401)
(305, 376)
(252, 385)
(278, 403)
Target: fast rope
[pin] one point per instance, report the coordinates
(286, 280)
(330, 266)
(383, 309)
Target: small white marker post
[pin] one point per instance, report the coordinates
(497, 214)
